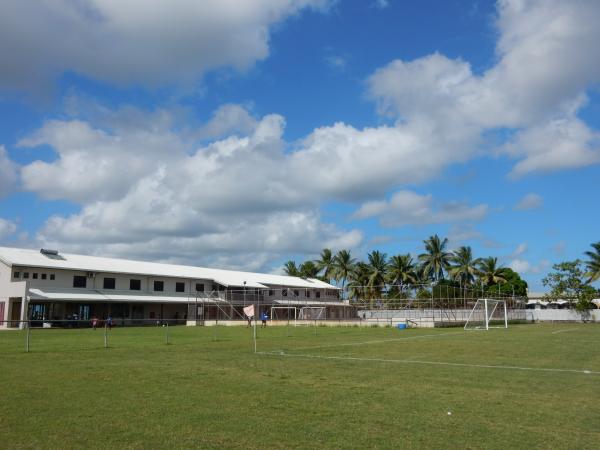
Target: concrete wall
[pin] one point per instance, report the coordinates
(9, 290)
(64, 279)
(563, 315)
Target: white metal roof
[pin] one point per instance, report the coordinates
(84, 295)
(233, 278)
(311, 303)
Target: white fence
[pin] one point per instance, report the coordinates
(563, 315)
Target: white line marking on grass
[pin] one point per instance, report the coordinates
(564, 331)
(379, 341)
(430, 363)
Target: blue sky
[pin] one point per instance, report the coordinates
(242, 134)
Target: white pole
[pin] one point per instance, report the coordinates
(27, 337)
(487, 321)
(505, 316)
(105, 335)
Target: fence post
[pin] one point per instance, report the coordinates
(105, 335)
(27, 337)
(167, 332)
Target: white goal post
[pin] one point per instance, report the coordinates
(312, 313)
(487, 313)
(290, 310)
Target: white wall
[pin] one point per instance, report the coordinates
(566, 315)
(9, 289)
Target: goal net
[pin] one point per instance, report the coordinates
(284, 313)
(312, 313)
(487, 313)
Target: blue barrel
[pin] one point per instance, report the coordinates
(401, 326)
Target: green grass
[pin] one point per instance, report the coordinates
(208, 389)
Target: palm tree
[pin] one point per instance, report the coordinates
(377, 271)
(291, 269)
(343, 265)
(326, 264)
(436, 260)
(308, 269)
(489, 271)
(464, 268)
(358, 278)
(401, 270)
(593, 265)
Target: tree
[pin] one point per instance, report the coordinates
(291, 269)
(326, 264)
(593, 264)
(489, 271)
(567, 282)
(513, 284)
(464, 268)
(401, 270)
(436, 260)
(358, 278)
(343, 265)
(308, 269)
(377, 272)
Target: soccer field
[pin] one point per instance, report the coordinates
(531, 386)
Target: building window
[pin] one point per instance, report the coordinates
(44, 276)
(17, 274)
(317, 294)
(215, 287)
(52, 277)
(307, 294)
(159, 286)
(270, 292)
(199, 287)
(25, 275)
(284, 292)
(135, 285)
(179, 287)
(109, 283)
(296, 293)
(35, 276)
(79, 281)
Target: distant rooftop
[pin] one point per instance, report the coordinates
(53, 259)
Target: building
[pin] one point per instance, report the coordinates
(50, 288)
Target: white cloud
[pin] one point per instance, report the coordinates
(520, 266)
(529, 201)
(230, 118)
(519, 251)
(125, 41)
(336, 61)
(523, 266)
(410, 208)
(240, 196)
(536, 87)
(7, 228)
(382, 4)
(564, 143)
(8, 173)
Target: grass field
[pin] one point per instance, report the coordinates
(531, 386)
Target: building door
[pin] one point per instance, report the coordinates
(2, 314)
(15, 313)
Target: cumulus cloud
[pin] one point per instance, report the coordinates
(410, 208)
(529, 201)
(7, 228)
(536, 87)
(523, 266)
(8, 173)
(239, 195)
(126, 41)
